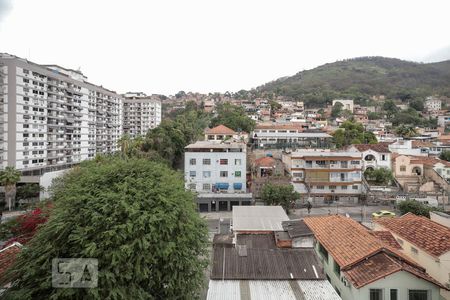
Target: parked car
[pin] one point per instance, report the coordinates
(383, 214)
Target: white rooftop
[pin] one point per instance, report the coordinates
(258, 218)
(271, 289)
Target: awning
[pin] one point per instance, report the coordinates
(237, 186)
(222, 186)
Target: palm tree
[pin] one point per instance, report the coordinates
(8, 179)
(124, 144)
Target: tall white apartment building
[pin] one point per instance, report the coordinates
(140, 113)
(53, 118)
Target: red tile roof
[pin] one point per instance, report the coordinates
(8, 256)
(354, 244)
(387, 238)
(221, 129)
(363, 257)
(380, 147)
(265, 162)
(382, 265)
(428, 235)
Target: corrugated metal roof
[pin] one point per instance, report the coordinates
(296, 228)
(224, 290)
(258, 218)
(318, 290)
(271, 289)
(266, 264)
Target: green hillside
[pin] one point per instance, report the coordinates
(360, 78)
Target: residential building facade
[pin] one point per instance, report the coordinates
(217, 172)
(424, 241)
(140, 113)
(364, 266)
(280, 136)
(53, 118)
(433, 104)
(346, 104)
(374, 156)
(326, 176)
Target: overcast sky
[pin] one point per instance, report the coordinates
(215, 45)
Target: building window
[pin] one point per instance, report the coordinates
(192, 161)
(223, 173)
(383, 157)
(192, 173)
(355, 162)
(224, 161)
(297, 175)
(323, 252)
(206, 161)
(355, 187)
(394, 294)
(337, 269)
(192, 186)
(206, 174)
(417, 295)
(332, 187)
(402, 168)
(344, 187)
(376, 294)
(237, 162)
(237, 174)
(414, 250)
(320, 162)
(206, 187)
(320, 187)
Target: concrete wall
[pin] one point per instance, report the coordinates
(46, 181)
(443, 220)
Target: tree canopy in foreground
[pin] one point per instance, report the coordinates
(135, 217)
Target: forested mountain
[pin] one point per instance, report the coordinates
(361, 78)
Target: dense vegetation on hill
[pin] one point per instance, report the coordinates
(361, 78)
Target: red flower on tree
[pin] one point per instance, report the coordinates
(27, 225)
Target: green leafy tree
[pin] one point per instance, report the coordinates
(390, 108)
(417, 105)
(445, 155)
(351, 132)
(379, 176)
(407, 117)
(274, 106)
(233, 117)
(29, 190)
(279, 194)
(416, 208)
(135, 217)
(406, 131)
(336, 110)
(374, 115)
(172, 135)
(8, 179)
